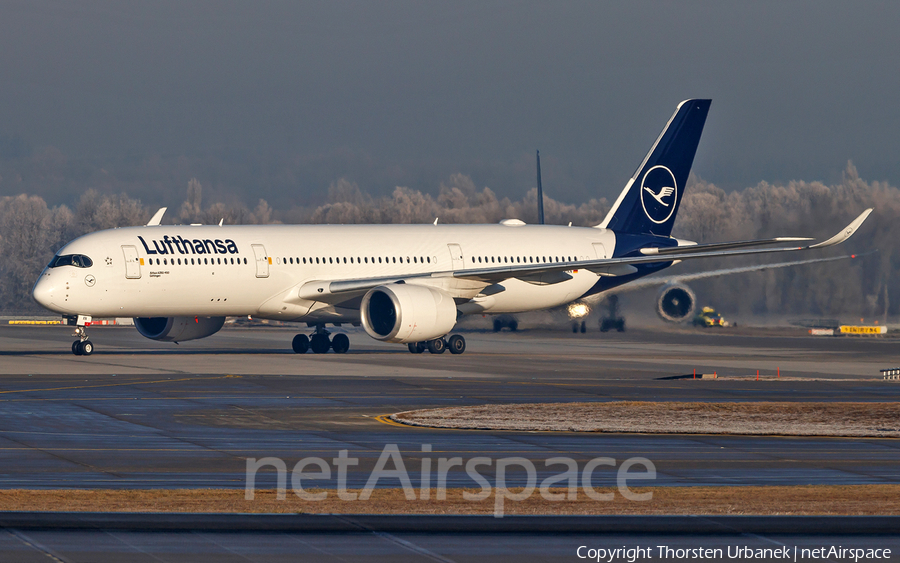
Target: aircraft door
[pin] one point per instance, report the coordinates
(456, 256)
(600, 250)
(262, 260)
(132, 263)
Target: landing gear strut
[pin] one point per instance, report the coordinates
(82, 346)
(612, 320)
(320, 343)
(456, 344)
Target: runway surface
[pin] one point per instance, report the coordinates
(142, 414)
(218, 539)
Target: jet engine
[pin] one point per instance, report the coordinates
(407, 313)
(178, 329)
(675, 303)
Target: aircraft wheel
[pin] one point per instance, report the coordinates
(457, 344)
(76, 347)
(87, 348)
(620, 326)
(583, 327)
(319, 343)
(415, 347)
(300, 344)
(513, 325)
(574, 328)
(437, 346)
(498, 326)
(340, 343)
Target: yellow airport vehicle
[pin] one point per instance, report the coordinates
(708, 317)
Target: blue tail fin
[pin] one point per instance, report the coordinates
(650, 200)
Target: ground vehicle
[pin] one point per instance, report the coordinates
(708, 317)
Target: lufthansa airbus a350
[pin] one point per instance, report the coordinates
(407, 284)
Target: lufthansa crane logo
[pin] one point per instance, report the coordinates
(659, 192)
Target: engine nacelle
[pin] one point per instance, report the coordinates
(407, 313)
(178, 329)
(675, 303)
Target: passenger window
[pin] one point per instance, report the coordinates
(429, 259)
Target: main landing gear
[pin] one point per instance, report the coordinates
(320, 343)
(456, 344)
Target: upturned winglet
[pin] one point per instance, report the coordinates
(157, 217)
(846, 233)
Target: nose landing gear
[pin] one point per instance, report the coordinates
(82, 346)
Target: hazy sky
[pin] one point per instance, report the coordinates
(413, 91)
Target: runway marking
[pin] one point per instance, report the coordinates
(35, 545)
(385, 419)
(408, 545)
(119, 384)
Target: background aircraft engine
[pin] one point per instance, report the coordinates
(675, 303)
(178, 329)
(407, 313)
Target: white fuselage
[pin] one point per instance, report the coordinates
(167, 271)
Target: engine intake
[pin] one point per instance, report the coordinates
(407, 313)
(178, 329)
(675, 303)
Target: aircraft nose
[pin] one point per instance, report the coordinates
(43, 292)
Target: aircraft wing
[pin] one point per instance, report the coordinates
(337, 291)
(652, 281)
(620, 266)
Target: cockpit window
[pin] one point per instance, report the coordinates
(77, 260)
